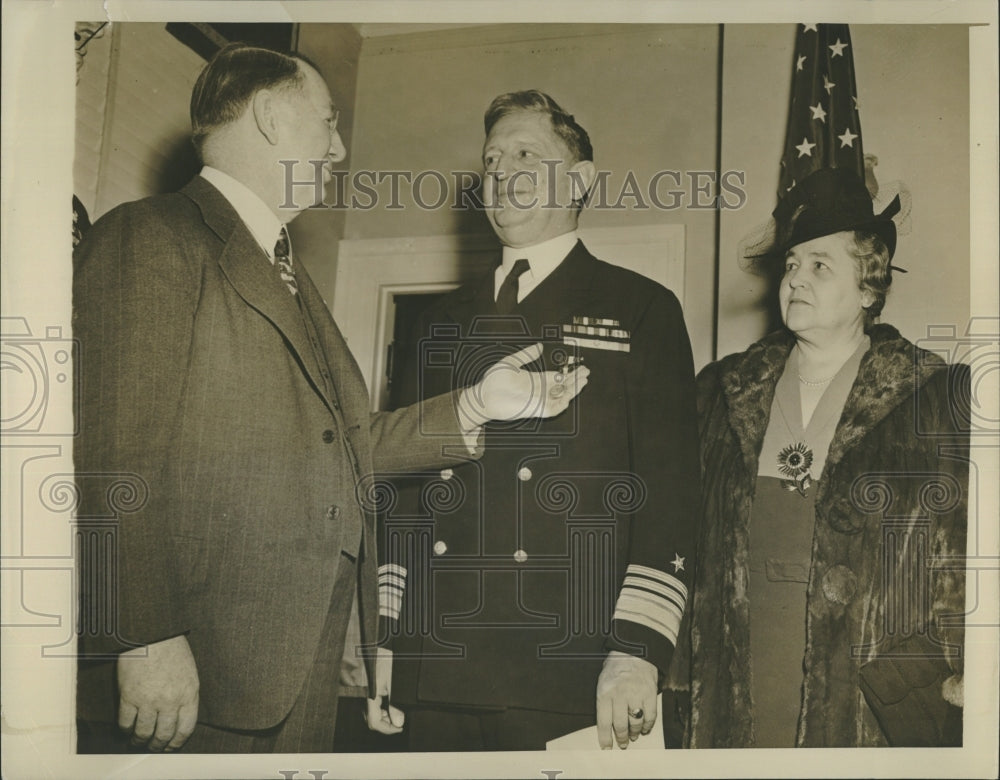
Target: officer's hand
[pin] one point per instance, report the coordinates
(626, 699)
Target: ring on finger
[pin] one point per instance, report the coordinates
(637, 714)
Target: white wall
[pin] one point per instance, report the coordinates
(913, 95)
(315, 234)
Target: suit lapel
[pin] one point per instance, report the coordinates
(352, 395)
(248, 270)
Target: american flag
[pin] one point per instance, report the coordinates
(824, 127)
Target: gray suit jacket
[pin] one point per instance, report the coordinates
(224, 456)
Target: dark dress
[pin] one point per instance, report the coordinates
(781, 533)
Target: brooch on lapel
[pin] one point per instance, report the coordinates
(794, 461)
(596, 333)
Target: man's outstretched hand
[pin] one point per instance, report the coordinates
(509, 391)
(158, 686)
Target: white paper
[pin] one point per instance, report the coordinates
(586, 739)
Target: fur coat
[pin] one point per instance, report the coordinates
(890, 526)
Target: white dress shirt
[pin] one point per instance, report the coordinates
(543, 258)
(264, 226)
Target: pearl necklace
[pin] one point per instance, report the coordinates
(822, 382)
(806, 382)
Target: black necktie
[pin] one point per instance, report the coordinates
(507, 297)
(283, 257)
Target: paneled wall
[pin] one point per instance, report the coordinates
(132, 116)
(91, 118)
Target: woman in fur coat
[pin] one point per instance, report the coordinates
(828, 607)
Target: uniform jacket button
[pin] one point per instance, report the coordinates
(440, 548)
(333, 512)
(520, 556)
(328, 436)
(524, 473)
(447, 474)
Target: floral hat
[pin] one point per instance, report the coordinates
(829, 200)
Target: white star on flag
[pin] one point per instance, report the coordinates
(819, 109)
(677, 563)
(847, 139)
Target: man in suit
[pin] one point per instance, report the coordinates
(226, 443)
(553, 572)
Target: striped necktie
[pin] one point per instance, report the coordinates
(283, 257)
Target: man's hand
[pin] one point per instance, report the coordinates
(383, 717)
(158, 684)
(508, 391)
(626, 699)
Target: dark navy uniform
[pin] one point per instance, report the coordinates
(507, 580)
